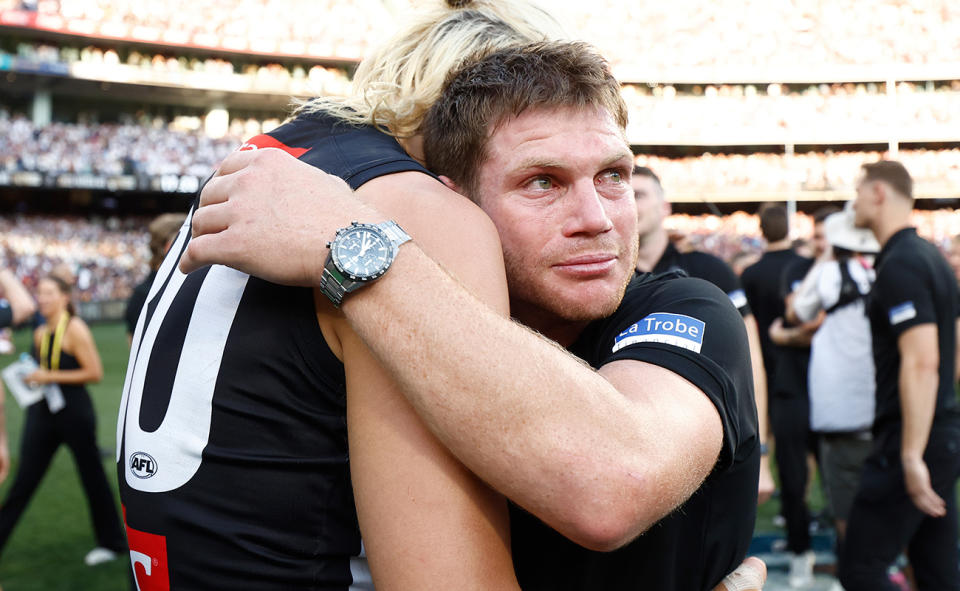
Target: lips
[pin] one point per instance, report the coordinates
(588, 265)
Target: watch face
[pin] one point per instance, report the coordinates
(362, 251)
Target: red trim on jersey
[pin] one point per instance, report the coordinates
(148, 555)
(265, 141)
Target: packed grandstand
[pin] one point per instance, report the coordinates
(730, 101)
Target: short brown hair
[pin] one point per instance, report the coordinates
(774, 224)
(891, 172)
(507, 82)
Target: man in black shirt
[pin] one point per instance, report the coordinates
(658, 254)
(766, 284)
(671, 354)
(907, 495)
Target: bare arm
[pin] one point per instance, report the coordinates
(765, 486)
(529, 418)
(918, 381)
(417, 504)
(20, 301)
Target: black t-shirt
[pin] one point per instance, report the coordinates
(6, 314)
(766, 284)
(136, 301)
(914, 286)
(708, 267)
(232, 443)
(688, 326)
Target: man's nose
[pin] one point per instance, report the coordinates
(587, 212)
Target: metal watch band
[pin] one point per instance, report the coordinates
(333, 287)
(394, 232)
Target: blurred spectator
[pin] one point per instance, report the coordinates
(163, 230)
(953, 255)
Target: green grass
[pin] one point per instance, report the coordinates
(45, 552)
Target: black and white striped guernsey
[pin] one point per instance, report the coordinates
(231, 440)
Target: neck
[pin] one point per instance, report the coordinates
(413, 146)
(652, 247)
(779, 245)
(885, 228)
(564, 332)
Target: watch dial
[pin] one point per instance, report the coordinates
(363, 252)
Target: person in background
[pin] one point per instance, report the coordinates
(68, 358)
(16, 307)
(659, 254)
(766, 284)
(841, 375)
(907, 494)
(163, 230)
(953, 255)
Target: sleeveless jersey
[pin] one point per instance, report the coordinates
(231, 440)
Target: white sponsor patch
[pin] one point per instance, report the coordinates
(662, 327)
(738, 297)
(902, 313)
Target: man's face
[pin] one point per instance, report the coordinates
(819, 240)
(864, 205)
(651, 207)
(556, 184)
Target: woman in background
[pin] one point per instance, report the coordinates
(68, 358)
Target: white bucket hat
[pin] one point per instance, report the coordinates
(840, 231)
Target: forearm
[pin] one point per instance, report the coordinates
(918, 398)
(72, 377)
(759, 375)
(547, 430)
(20, 301)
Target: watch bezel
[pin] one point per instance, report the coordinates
(342, 233)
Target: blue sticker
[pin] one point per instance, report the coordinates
(738, 297)
(902, 313)
(662, 327)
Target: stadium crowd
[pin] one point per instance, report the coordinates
(774, 34)
(110, 256)
(107, 257)
(191, 71)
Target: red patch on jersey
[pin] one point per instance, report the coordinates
(148, 555)
(266, 141)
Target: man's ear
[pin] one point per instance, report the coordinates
(451, 185)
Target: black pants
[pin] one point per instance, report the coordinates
(790, 420)
(43, 433)
(884, 521)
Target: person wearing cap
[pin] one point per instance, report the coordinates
(841, 372)
(907, 495)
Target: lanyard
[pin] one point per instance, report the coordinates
(57, 343)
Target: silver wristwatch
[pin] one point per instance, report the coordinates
(359, 254)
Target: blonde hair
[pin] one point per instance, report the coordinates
(395, 86)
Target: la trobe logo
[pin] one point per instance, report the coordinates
(143, 465)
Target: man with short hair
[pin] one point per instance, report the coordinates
(907, 494)
(658, 254)
(766, 284)
(539, 144)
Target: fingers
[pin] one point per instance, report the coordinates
(930, 503)
(749, 576)
(207, 250)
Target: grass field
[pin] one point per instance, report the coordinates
(45, 552)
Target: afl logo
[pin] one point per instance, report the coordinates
(143, 465)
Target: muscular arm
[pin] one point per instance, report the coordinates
(530, 419)
(918, 381)
(20, 301)
(417, 504)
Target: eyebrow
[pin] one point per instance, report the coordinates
(535, 162)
